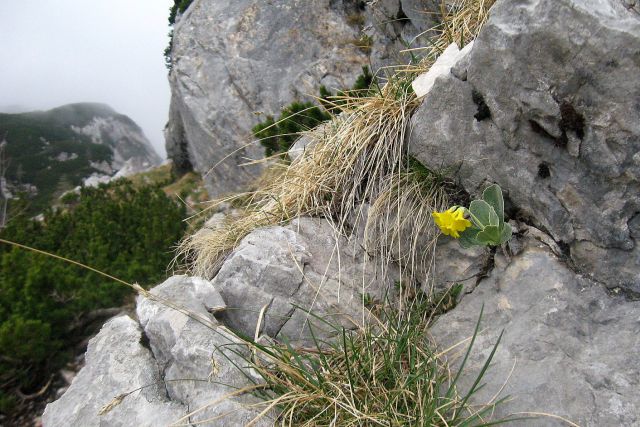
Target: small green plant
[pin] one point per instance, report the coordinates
(362, 88)
(368, 300)
(178, 6)
(486, 225)
(167, 52)
(364, 43)
(278, 136)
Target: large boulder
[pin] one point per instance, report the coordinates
(117, 362)
(300, 274)
(569, 347)
(184, 363)
(199, 358)
(545, 106)
(235, 62)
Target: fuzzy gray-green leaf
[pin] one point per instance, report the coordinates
(468, 237)
(505, 234)
(483, 213)
(489, 236)
(493, 196)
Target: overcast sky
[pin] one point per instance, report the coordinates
(54, 52)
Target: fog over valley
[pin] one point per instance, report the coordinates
(67, 51)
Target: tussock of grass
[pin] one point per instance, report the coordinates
(399, 224)
(350, 163)
(386, 375)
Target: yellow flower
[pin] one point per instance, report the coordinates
(452, 221)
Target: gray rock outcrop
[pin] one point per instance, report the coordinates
(127, 140)
(571, 344)
(188, 363)
(116, 363)
(453, 264)
(235, 62)
(199, 361)
(296, 270)
(546, 106)
(186, 366)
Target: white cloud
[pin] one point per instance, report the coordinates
(55, 52)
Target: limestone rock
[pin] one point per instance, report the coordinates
(544, 106)
(571, 344)
(116, 363)
(395, 25)
(454, 265)
(198, 361)
(447, 60)
(299, 147)
(307, 141)
(295, 270)
(192, 364)
(235, 62)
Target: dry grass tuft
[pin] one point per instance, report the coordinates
(350, 163)
(385, 375)
(461, 21)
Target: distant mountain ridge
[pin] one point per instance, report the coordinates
(49, 152)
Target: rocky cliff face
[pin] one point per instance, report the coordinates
(234, 63)
(191, 362)
(123, 136)
(161, 368)
(543, 106)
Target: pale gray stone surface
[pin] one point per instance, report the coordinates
(306, 142)
(236, 62)
(116, 363)
(574, 345)
(547, 108)
(131, 148)
(453, 265)
(295, 270)
(197, 359)
(189, 366)
(396, 25)
(451, 56)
